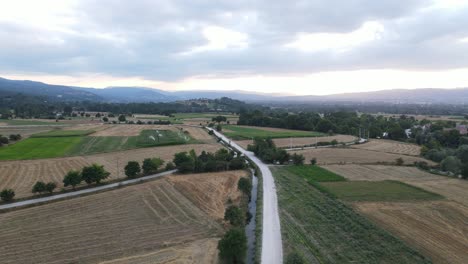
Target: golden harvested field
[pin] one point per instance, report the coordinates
(210, 191)
(351, 155)
(200, 251)
(451, 188)
(390, 146)
(302, 141)
(437, 229)
(132, 221)
(22, 175)
(23, 131)
(124, 130)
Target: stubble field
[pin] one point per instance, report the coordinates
(302, 141)
(174, 219)
(21, 175)
(390, 146)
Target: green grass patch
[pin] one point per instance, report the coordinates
(240, 132)
(325, 230)
(39, 148)
(315, 173)
(64, 133)
(377, 191)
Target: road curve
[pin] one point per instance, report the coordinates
(81, 192)
(272, 247)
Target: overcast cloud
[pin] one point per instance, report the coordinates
(174, 40)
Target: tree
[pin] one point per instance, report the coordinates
(170, 166)
(237, 164)
(132, 169)
(50, 187)
(245, 185)
(219, 128)
(294, 258)
(184, 162)
(234, 215)
(122, 118)
(7, 195)
(151, 165)
(4, 140)
(298, 159)
(399, 161)
(219, 119)
(94, 173)
(464, 171)
(39, 187)
(72, 178)
(105, 119)
(451, 164)
(233, 245)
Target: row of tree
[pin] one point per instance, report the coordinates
(221, 160)
(6, 140)
(267, 151)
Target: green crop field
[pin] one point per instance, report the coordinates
(63, 133)
(240, 132)
(24, 122)
(39, 148)
(377, 191)
(325, 230)
(315, 173)
(62, 146)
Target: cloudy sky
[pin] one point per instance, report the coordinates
(300, 47)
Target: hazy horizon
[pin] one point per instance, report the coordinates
(301, 48)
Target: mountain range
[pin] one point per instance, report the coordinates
(144, 94)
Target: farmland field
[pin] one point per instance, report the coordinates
(324, 230)
(390, 146)
(208, 190)
(453, 189)
(21, 175)
(351, 155)
(61, 143)
(247, 132)
(134, 221)
(314, 173)
(377, 191)
(437, 228)
(302, 141)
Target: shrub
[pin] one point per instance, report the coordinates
(170, 166)
(233, 246)
(7, 195)
(313, 161)
(245, 185)
(399, 161)
(298, 159)
(4, 140)
(294, 258)
(39, 187)
(234, 215)
(50, 187)
(151, 165)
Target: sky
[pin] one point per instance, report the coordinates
(288, 47)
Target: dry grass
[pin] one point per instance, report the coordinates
(124, 130)
(438, 229)
(199, 134)
(390, 146)
(302, 141)
(453, 189)
(23, 131)
(21, 175)
(210, 191)
(134, 220)
(352, 155)
(200, 251)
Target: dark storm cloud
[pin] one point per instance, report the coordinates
(153, 39)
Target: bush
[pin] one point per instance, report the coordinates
(170, 166)
(245, 185)
(7, 195)
(399, 161)
(234, 215)
(14, 137)
(50, 187)
(313, 161)
(4, 140)
(132, 169)
(72, 178)
(39, 187)
(451, 164)
(233, 246)
(151, 166)
(105, 119)
(298, 159)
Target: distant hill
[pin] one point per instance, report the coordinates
(144, 94)
(51, 92)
